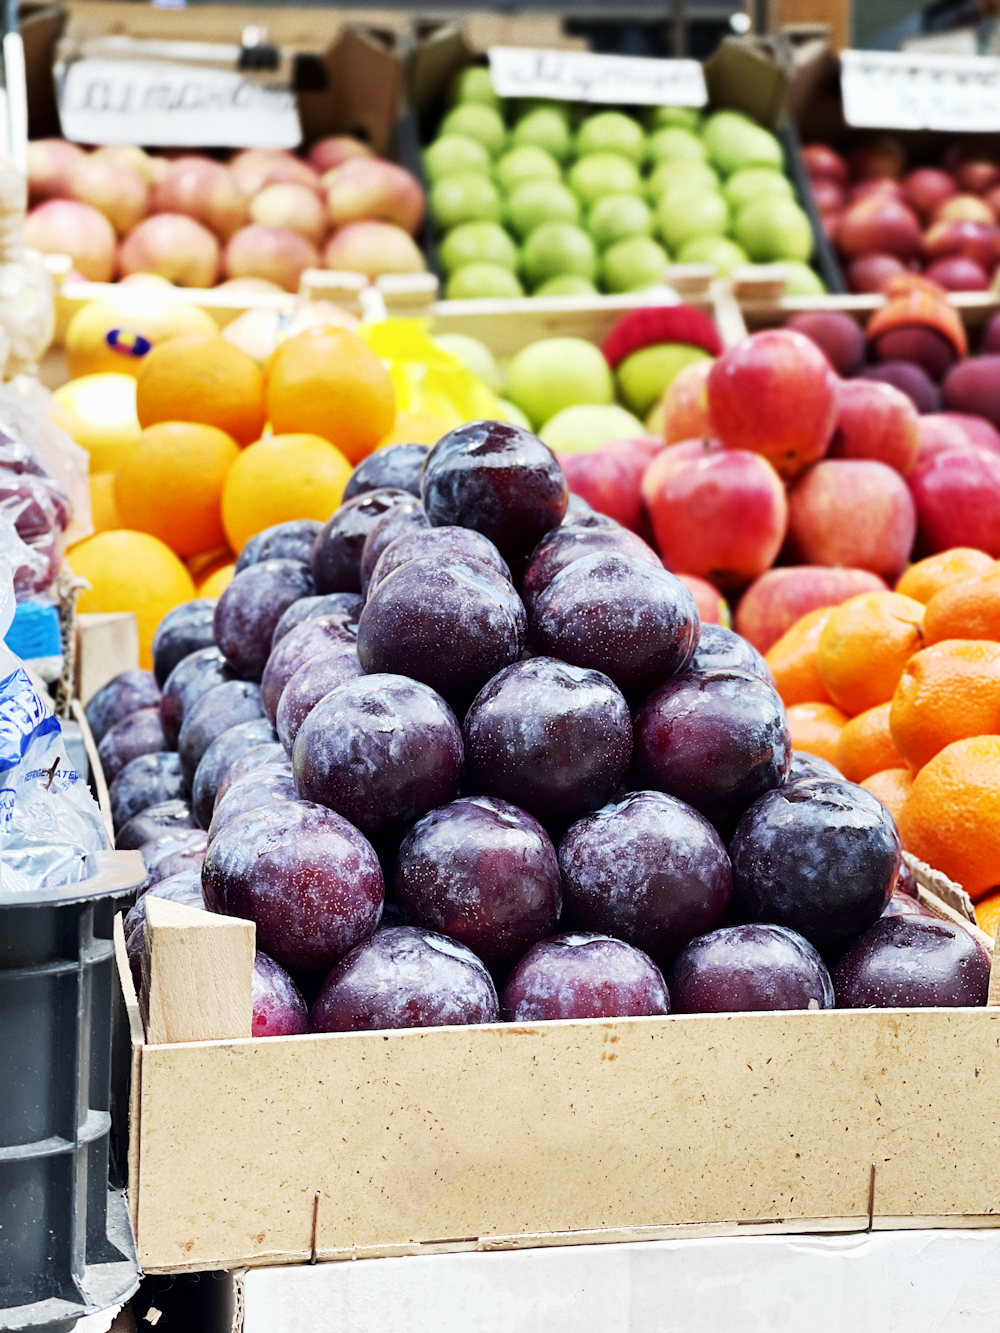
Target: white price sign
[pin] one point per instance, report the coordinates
(910, 91)
(156, 102)
(579, 76)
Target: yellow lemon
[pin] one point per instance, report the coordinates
(117, 334)
(103, 509)
(99, 412)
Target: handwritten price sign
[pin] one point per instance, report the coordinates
(579, 76)
(900, 91)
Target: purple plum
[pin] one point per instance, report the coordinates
(721, 647)
(394, 466)
(285, 541)
(250, 608)
(583, 976)
(271, 752)
(278, 1007)
(214, 712)
(325, 636)
(192, 677)
(336, 559)
(568, 543)
(165, 817)
(309, 608)
(265, 786)
(911, 962)
(310, 683)
(170, 853)
(181, 632)
(742, 968)
(397, 521)
(125, 694)
(146, 781)
(438, 544)
(215, 763)
(805, 765)
(139, 733)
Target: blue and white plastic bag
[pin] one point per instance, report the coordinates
(49, 821)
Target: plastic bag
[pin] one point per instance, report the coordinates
(28, 409)
(49, 822)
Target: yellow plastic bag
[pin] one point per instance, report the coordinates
(435, 391)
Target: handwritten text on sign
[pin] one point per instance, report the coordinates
(155, 102)
(579, 76)
(904, 91)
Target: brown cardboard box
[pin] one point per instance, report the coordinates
(366, 1144)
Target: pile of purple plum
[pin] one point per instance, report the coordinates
(467, 753)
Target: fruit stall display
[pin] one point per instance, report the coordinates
(889, 212)
(262, 218)
(558, 199)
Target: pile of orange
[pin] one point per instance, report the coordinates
(901, 692)
(222, 450)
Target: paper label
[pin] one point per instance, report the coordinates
(580, 76)
(155, 102)
(920, 91)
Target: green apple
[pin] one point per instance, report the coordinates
(603, 173)
(513, 414)
(526, 163)
(556, 248)
(633, 265)
(770, 229)
(718, 250)
(611, 132)
(524, 106)
(680, 174)
(473, 84)
(544, 128)
(683, 117)
(566, 284)
(616, 217)
(676, 145)
(683, 214)
(458, 199)
(477, 282)
(534, 203)
(645, 376)
(752, 182)
(735, 141)
(456, 155)
(477, 243)
(478, 122)
(476, 356)
(554, 373)
(582, 429)
(802, 280)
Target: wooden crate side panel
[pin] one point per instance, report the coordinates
(456, 1135)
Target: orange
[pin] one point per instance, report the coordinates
(951, 818)
(892, 787)
(328, 382)
(815, 728)
(947, 692)
(927, 577)
(172, 483)
(966, 610)
(793, 660)
(203, 379)
(131, 571)
(864, 647)
(865, 746)
(988, 914)
(207, 562)
(103, 509)
(280, 478)
(217, 583)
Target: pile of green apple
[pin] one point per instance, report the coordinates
(561, 200)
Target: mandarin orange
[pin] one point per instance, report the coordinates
(816, 727)
(865, 746)
(864, 647)
(203, 379)
(946, 693)
(794, 663)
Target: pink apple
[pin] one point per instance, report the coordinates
(957, 494)
(822, 163)
(774, 393)
(978, 241)
(964, 208)
(373, 248)
(957, 274)
(852, 512)
(120, 194)
(276, 253)
(325, 154)
(668, 460)
(173, 246)
(711, 604)
(203, 190)
(938, 434)
(368, 189)
(609, 479)
(63, 226)
(977, 175)
(927, 189)
(772, 604)
(978, 430)
(881, 187)
(685, 404)
(876, 420)
(256, 167)
(828, 196)
(879, 223)
(49, 164)
(290, 205)
(722, 516)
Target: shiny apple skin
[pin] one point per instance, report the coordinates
(583, 975)
(819, 856)
(405, 977)
(484, 873)
(740, 969)
(912, 962)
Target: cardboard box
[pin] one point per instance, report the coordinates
(371, 1144)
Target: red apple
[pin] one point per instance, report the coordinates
(822, 163)
(957, 494)
(722, 516)
(120, 194)
(918, 344)
(837, 335)
(609, 479)
(685, 404)
(964, 208)
(878, 157)
(256, 167)
(852, 512)
(927, 189)
(973, 386)
(940, 432)
(875, 421)
(978, 430)
(977, 175)
(63, 226)
(957, 274)
(828, 196)
(711, 604)
(772, 604)
(368, 189)
(879, 223)
(173, 246)
(993, 200)
(325, 154)
(871, 272)
(373, 248)
(774, 394)
(666, 461)
(978, 241)
(881, 188)
(830, 222)
(293, 206)
(204, 190)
